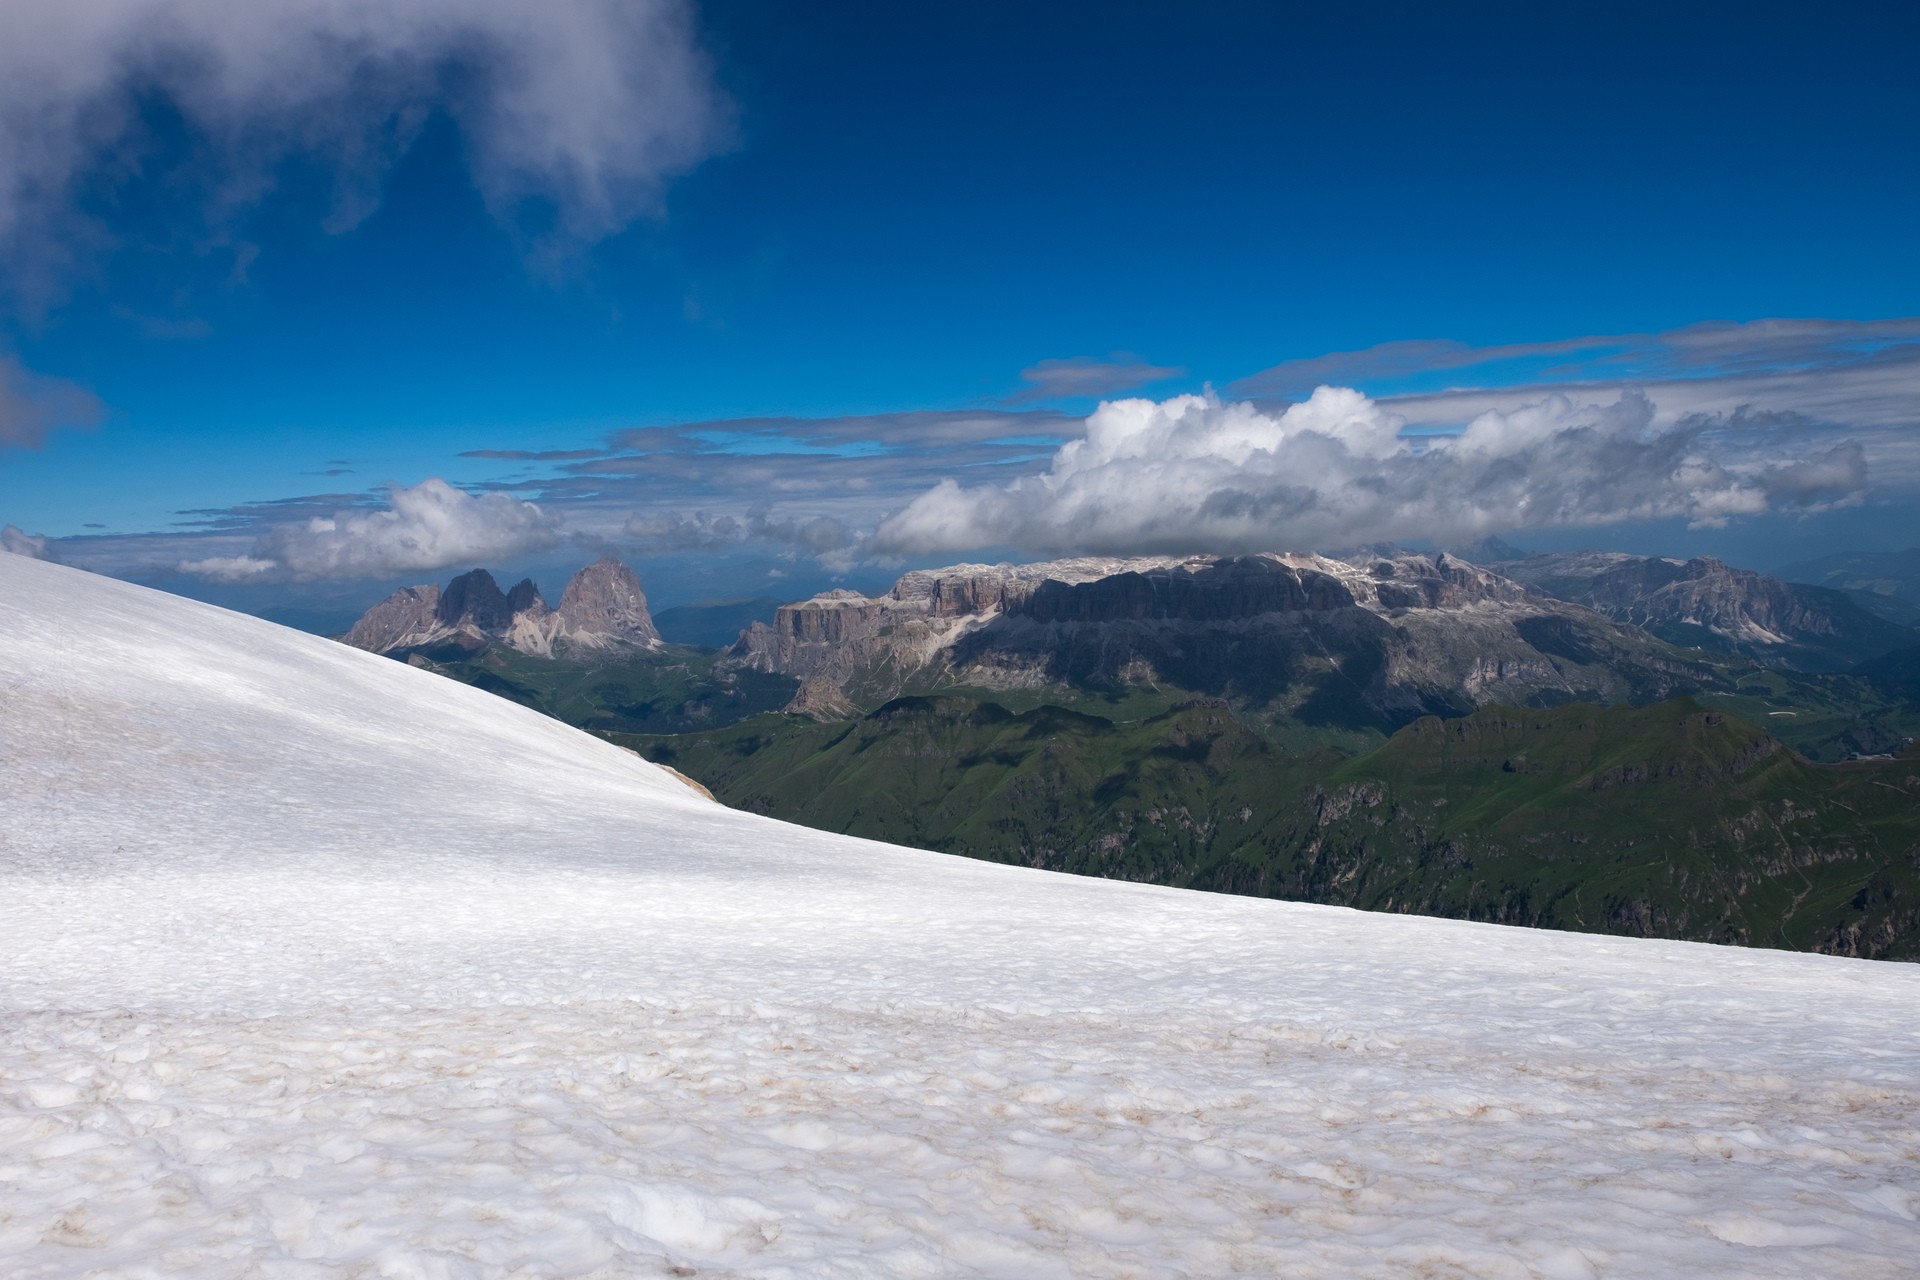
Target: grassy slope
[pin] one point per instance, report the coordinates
(1825, 717)
(672, 690)
(1672, 820)
(1668, 821)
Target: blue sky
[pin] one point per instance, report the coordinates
(908, 244)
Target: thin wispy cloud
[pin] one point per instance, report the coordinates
(1085, 376)
(534, 455)
(33, 406)
(1700, 351)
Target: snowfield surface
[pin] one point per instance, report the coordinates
(313, 965)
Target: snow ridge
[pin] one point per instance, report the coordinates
(313, 964)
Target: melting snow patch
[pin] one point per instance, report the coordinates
(315, 965)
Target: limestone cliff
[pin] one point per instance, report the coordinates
(1382, 640)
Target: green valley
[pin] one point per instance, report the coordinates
(1673, 820)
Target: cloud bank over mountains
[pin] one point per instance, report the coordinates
(1778, 419)
(1196, 473)
(587, 106)
(423, 528)
(1191, 473)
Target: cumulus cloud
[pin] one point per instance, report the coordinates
(587, 106)
(429, 526)
(1194, 473)
(18, 542)
(31, 406)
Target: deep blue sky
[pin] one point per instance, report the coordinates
(920, 202)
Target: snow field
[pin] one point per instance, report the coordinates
(314, 965)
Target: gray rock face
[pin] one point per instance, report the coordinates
(396, 621)
(604, 607)
(602, 612)
(1385, 639)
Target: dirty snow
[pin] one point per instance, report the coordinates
(314, 965)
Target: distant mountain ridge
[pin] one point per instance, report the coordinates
(1375, 642)
(1886, 583)
(602, 611)
(1708, 603)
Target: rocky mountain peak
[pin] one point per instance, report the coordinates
(475, 598)
(603, 609)
(407, 612)
(1706, 602)
(524, 597)
(604, 605)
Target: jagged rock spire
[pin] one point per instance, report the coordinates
(602, 610)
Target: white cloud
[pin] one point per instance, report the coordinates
(1195, 474)
(230, 568)
(18, 542)
(430, 526)
(589, 104)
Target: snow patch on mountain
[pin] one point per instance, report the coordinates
(313, 964)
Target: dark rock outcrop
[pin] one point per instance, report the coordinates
(475, 599)
(524, 596)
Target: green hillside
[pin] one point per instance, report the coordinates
(671, 690)
(1672, 820)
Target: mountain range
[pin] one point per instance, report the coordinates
(1322, 642)
(602, 612)
(1578, 741)
(1705, 603)
(1883, 582)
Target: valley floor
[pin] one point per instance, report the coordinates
(315, 965)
